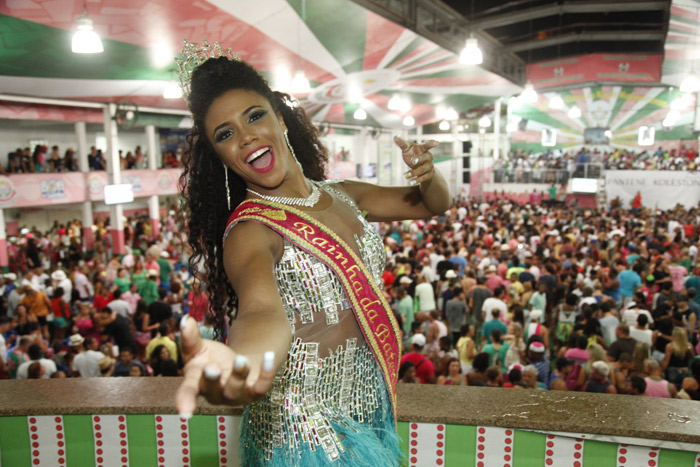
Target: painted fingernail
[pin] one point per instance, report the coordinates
(185, 415)
(212, 372)
(268, 361)
(240, 364)
(412, 182)
(407, 175)
(183, 322)
(414, 160)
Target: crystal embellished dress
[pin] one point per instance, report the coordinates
(329, 405)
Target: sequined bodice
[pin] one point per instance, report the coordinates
(309, 289)
(331, 377)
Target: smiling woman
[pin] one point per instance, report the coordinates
(313, 347)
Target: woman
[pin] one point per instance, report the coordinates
(678, 354)
(294, 275)
(175, 298)
(407, 373)
(143, 328)
(454, 377)
(466, 348)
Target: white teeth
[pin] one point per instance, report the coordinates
(256, 154)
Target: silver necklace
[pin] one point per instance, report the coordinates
(308, 202)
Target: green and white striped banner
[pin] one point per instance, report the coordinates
(212, 440)
(431, 444)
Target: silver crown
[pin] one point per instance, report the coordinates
(196, 54)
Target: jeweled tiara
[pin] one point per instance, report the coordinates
(195, 54)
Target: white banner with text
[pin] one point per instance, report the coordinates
(662, 189)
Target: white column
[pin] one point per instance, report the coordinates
(83, 149)
(151, 148)
(362, 144)
(154, 215)
(497, 130)
(4, 257)
(456, 175)
(114, 177)
(397, 165)
(88, 237)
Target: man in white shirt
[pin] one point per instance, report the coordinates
(87, 360)
(34, 353)
(82, 284)
(120, 305)
(495, 303)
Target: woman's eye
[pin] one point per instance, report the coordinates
(256, 115)
(223, 135)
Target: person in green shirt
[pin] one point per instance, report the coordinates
(405, 309)
(694, 282)
(150, 289)
(123, 282)
(165, 268)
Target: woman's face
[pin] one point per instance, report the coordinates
(164, 354)
(135, 371)
(248, 136)
(454, 368)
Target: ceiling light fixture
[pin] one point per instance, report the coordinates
(444, 125)
(172, 90)
(574, 112)
(484, 122)
(85, 39)
(529, 95)
(409, 121)
(556, 102)
(451, 114)
(360, 114)
(690, 83)
(471, 53)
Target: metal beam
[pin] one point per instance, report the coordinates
(591, 36)
(448, 28)
(543, 11)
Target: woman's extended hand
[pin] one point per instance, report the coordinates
(418, 158)
(217, 372)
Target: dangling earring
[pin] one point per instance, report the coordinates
(291, 150)
(228, 192)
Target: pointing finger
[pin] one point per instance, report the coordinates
(191, 339)
(403, 145)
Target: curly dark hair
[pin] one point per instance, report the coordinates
(202, 183)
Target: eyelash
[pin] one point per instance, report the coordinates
(253, 118)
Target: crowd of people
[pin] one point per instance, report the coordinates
(557, 166)
(65, 313)
(43, 160)
(544, 297)
(533, 296)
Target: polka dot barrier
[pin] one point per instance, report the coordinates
(185, 440)
(224, 429)
(427, 444)
(35, 452)
(59, 451)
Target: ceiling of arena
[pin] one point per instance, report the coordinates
(380, 47)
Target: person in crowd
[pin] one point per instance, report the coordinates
(677, 356)
(536, 354)
(599, 381)
(125, 362)
(165, 338)
(657, 386)
(477, 375)
(562, 369)
(36, 356)
(86, 362)
(425, 371)
(623, 344)
(454, 376)
(116, 327)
